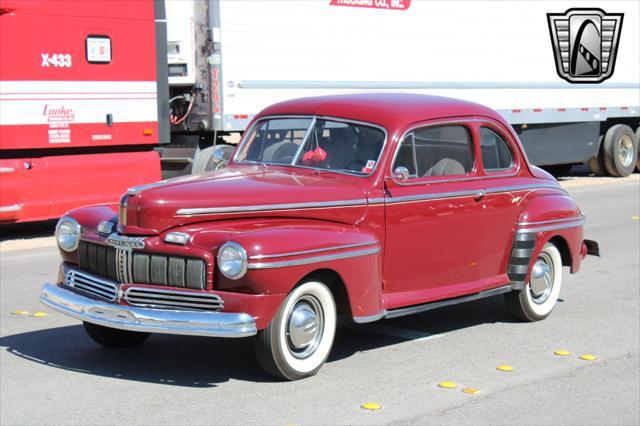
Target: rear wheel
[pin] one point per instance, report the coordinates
(300, 336)
(114, 338)
(620, 150)
(538, 298)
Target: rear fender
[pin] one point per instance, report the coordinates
(545, 218)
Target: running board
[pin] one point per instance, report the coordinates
(441, 303)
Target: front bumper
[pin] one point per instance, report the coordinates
(192, 323)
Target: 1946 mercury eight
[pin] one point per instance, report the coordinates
(366, 206)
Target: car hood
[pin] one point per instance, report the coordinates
(241, 192)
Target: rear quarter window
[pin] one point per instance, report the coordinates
(496, 154)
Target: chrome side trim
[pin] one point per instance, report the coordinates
(468, 193)
(7, 169)
(531, 186)
(297, 253)
(11, 208)
(441, 303)
(553, 227)
(380, 200)
(355, 203)
(370, 318)
(545, 222)
(191, 323)
(314, 259)
(423, 197)
(270, 207)
(454, 194)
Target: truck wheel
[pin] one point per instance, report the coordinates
(620, 150)
(112, 337)
(538, 298)
(300, 336)
(212, 158)
(638, 145)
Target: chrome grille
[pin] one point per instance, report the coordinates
(138, 267)
(91, 284)
(169, 299)
(124, 258)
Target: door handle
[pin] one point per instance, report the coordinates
(480, 194)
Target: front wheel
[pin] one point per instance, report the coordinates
(114, 338)
(300, 336)
(538, 298)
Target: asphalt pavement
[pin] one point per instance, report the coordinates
(52, 373)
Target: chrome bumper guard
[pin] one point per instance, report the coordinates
(191, 323)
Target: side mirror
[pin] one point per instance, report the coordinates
(401, 173)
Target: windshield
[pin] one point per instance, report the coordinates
(315, 143)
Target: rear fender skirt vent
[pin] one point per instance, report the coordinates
(523, 245)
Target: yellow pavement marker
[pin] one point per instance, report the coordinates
(20, 312)
(40, 314)
(471, 391)
(371, 406)
(561, 352)
(588, 357)
(504, 367)
(447, 385)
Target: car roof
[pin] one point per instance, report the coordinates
(391, 110)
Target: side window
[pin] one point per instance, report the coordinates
(436, 151)
(495, 152)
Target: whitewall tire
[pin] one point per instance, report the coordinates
(538, 298)
(300, 336)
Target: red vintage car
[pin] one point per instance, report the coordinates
(362, 206)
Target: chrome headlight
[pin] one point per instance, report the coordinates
(68, 232)
(232, 260)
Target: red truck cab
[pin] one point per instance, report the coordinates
(78, 104)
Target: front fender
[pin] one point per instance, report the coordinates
(89, 218)
(282, 252)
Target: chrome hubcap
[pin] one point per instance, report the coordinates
(541, 282)
(625, 154)
(304, 327)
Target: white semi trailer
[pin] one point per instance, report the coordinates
(228, 59)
